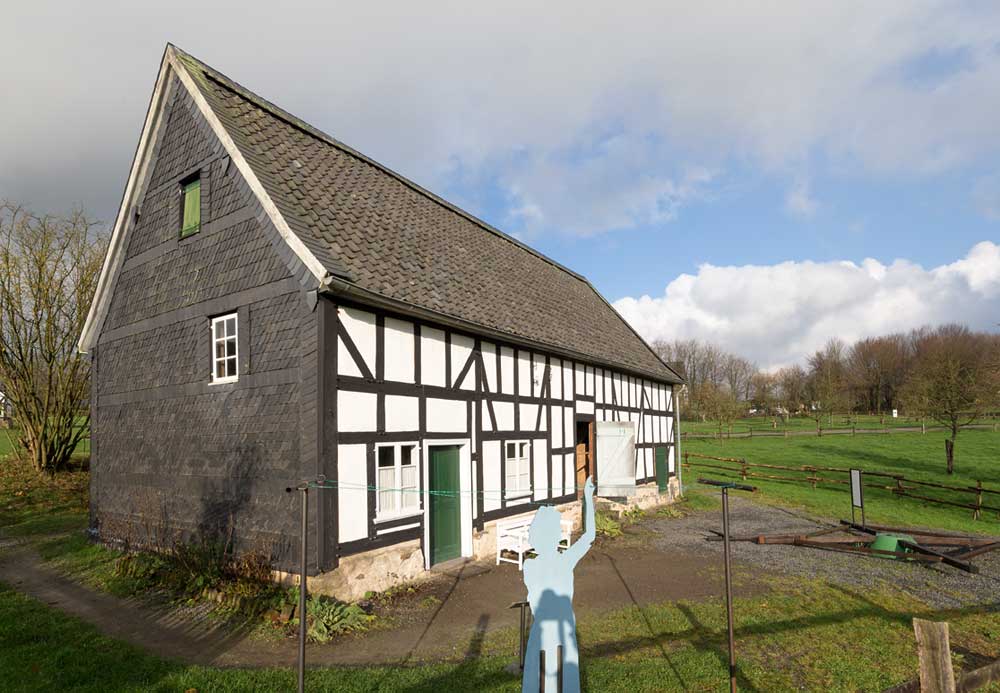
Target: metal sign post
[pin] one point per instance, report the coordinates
(304, 566)
(726, 485)
(857, 495)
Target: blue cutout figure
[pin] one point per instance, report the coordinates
(549, 579)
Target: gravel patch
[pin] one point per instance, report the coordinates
(936, 584)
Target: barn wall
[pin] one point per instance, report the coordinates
(404, 380)
(175, 454)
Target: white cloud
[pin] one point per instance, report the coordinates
(777, 314)
(512, 88)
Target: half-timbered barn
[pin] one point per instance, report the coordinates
(277, 307)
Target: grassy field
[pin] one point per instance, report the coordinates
(8, 436)
(796, 635)
(803, 636)
(32, 504)
(770, 424)
(914, 455)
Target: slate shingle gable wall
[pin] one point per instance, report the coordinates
(174, 455)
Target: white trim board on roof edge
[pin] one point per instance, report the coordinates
(139, 175)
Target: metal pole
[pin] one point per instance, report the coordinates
(303, 588)
(520, 654)
(729, 589)
(541, 671)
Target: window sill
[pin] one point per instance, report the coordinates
(225, 381)
(518, 495)
(392, 518)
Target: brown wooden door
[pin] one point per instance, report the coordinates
(584, 454)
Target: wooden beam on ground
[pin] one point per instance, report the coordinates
(962, 555)
(867, 551)
(945, 558)
(934, 653)
(860, 528)
(978, 678)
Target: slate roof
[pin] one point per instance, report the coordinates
(386, 235)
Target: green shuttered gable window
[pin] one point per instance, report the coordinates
(191, 217)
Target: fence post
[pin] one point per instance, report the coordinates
(934, 653)
(977, 513)
(743, 468)
(853, 430)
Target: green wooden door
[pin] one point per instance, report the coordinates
(661, 468)
(446, 518)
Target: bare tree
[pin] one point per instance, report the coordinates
(764, 391)
(876, 367)
(954, 380)
(738, 374)
(49, 267)
(719, 405)
(792, 382)
(827, 384)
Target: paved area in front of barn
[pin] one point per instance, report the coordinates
(659, 560)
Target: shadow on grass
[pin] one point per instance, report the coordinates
(700, 636)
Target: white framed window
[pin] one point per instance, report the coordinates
(517, 467)
(397, 491)
(225, 352)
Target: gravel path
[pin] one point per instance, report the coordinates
(938, 585)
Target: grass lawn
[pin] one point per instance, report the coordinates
(915, 455)
(33, 504)
(801, 636)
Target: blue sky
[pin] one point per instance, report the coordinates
(713, 169)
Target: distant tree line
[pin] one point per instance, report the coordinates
(948, 374)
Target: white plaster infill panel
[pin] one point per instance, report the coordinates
(356, 411)
(446, 415)
(505, 415)
(507, 370)
(491, 475)
(432, 350)
(352, 494)
(461, 350)
(360, 327)
(489, 352)
(399, 349)
(402, 413)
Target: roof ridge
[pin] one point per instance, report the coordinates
(296, 122)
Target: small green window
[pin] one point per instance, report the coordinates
(191, 221)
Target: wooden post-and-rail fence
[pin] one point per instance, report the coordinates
(936, 673)
(897, 484)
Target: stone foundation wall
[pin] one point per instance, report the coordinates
(371, 571)
(646, 496)
(391, 566)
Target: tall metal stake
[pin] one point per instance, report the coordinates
(729, 589)
(302, 588)
(726, 485)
